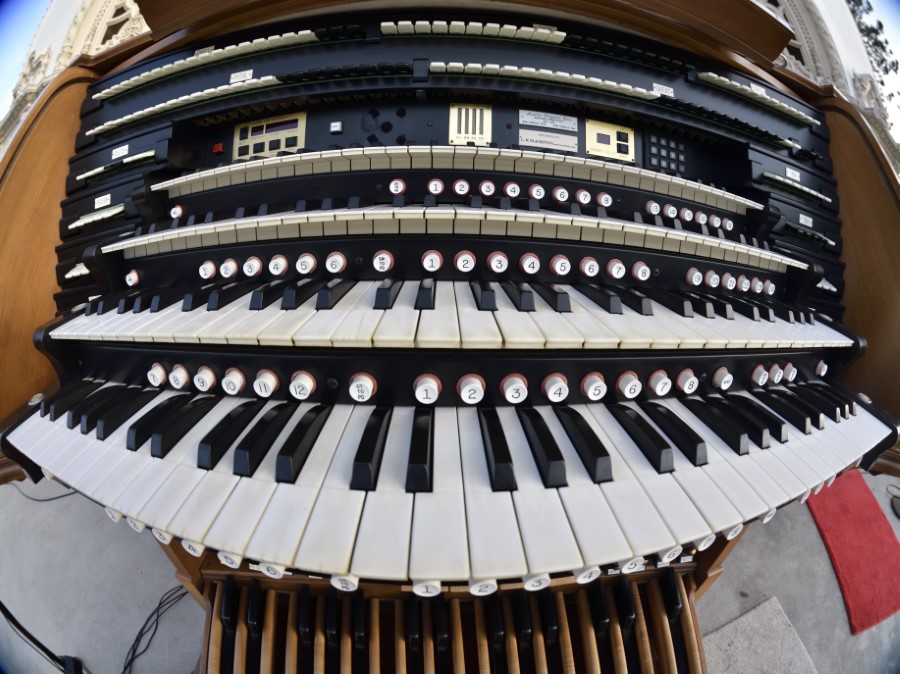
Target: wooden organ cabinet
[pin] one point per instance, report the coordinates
(444, 338)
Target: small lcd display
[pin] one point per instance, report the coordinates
(283, 125)
(603, 138)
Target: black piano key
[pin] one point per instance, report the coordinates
(757, 431)
(815, 415)
(599, 611)
(544, 449)
(496, 450)
(684, 437)
(256, 609)
(590, 448)
(305, 618)
(729, 432)
(254, 446)
(441, 623)
(126, 302)
(103, 396)
(787, 313)
(624, 606)
(89, 417)
(795, 416)
(603, 297)
(703, 305)
(668, 585)
(367, 461)
(421, 452)
(297, 294)
(332, 618)
(112, 417)
(520, 294)
(555, 296)
(332, 292)
(214, 445)
(425, 295)
(778, 429)
(299, 443)
(65, 399)
(166, 436)
(64, 390)
(765, 311)
(485, 298)
(547, 610)
(166, 297)
(720, 307)
(161, 415)
(360, 621)
(635, 300)
(745, 309)
(267, 294)
(197, 297)
(681, 305)
(829, 408)
(652, 445)
(229, 617)
(386, 293)
(228, 293)
(110, 303)
(847, 404)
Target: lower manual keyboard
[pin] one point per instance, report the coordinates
(499, 493)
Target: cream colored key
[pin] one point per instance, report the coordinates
(439, 327)
(478, 329)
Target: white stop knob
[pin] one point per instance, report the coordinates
(302, 385)
(461, 187)
(179, 376)
(306, 263)
(583, 197)
(498, 262)
(512, 190)
(205, 379)
(427, 388)
(821, 368)
(560, 194)
(759, 376)
(722, 379)
(756, 285)
(132, 278)
(435, 186)
(529, 263)
(727, 224)
(790, 372)
(265, 384)
(593, 386)
(233, 382)
(471, 389)
(432, 260)
(603, 199)
(640, 271)
(615, 268)
(537, 192)
(686, 381)
(686, 214)
(228, 268)
(743, 283)
(560, 265)
(769, 288)
(482, 588)
(652, 208)
(711, 279)
(715, 221)
(176, 212)
(729, 282)
(464, 261)
(660, 383)
(555, 387)
(253, 266)
(278, 265)
(207, 270)
(629, 385)
(670, 211)
(335, 263)
(693, 277)
(487, 188)
(514, 388)
(589, 267)
(362, 387)
(776, 374)
(383, 261)
(156, 375)
(396, 187)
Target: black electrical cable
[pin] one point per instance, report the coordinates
(43, 500)
(150, 626)
(30, 639)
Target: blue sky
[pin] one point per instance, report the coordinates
(888, 11)
(19, 19)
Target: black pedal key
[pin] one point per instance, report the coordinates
(66, 398)
(425, 295)
(554, 295)
(668, 585)
(599, 611)
(652, 444)
(214, 445)
(522, 618)
(297, 294)
(603, 297)
(590, 448)
(756, 430)
(494, 618)
(160, 416)
(635, 300)
(165, 437)
(549, 622)
(360, 621)
(421, 452)
(496, 450)
(778, 429)
(729, 432)
(102, 397)
(111, 418)
(228, 293)
(299, 443)
(332, 619)
(267, 294)
(795, 416)
(257, 442)
(386, 293)
(367, 461)
(256, 609)
(332, 293)
(441, 623)
(520, 294)
(229, 617)
(485, 298)
(684, 437)
(305, 618)
(624, 606)
(544, 449)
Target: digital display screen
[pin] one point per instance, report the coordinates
(603, 138)
(283, 125)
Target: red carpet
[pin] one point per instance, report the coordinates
(864, 551)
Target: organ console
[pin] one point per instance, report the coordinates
(433, 340)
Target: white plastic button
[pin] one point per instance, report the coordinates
(670, 211)
(560, 265)
(207, 270)
(383, 261)
(729, 282)
(659, 383)
(362, 387)
(514, 388)
(432, 260)
(471, 389)
(821, 368)
(233, 382)
(335, 263)
(179, 376)
(427, 388)
(132, 278)
(693, 277)
(537, 582)
(426, 588)
(743, 283)
(487, 188)
(715, 220)
(537, 191)
(345, 582)
(652, 208)
(560, 194)
(306, 263)
(701, 217)
(176, 212)
(228, 268)
(769, 288)
(205, 379)
(790, 372)
(593, 386)
(589, 267)
(498, 262)
(436, 186)
(776, 374)
(711, 279)
(482, 588)
(156, 375)
(727, 224)
(461, 187)
(686, 214)
(615, 268)
(556, 387)
(397, 187)
(759, 376)
(529, 263)
(686, 381)
(266, 383)
(278, 265)
(583, 197)
(605, 200)
(253, 266)
(628, 384)
(512, 190)
(756, 285)
(722, 379)
(640, 271)
(302, 385)
(464, 261)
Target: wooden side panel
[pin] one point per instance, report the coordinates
(32, 184)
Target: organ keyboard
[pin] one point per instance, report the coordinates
(427, 310)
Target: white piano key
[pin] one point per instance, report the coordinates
(478, 329)
(630, 332)
(280, 332)
(359, 325)
(446, 463)
(320, 328)
(439, 327)
(518, 329)
(399, 328)
(559, 334)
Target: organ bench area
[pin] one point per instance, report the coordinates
(440, 343)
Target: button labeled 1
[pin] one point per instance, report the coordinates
(427, 388)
